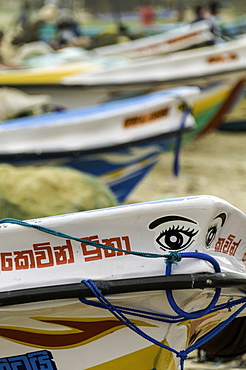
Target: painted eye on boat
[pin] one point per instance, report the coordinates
(176, 238)
(213, 229)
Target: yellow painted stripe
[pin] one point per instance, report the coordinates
(144, 359)
(41, 75)
(206, 103)
(126, 170)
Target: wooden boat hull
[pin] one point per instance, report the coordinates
(58, 333)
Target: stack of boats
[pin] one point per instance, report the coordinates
(90, 290)
(115, 114)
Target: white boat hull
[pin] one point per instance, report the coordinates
(117, 141)
(67, 332)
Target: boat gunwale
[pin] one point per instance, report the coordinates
(200, 280)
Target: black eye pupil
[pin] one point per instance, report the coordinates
(210, 235)
(174, 240)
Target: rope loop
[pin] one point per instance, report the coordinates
(198, 313)
(119, 313)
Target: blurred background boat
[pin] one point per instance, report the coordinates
(219, 71)
(179, 38)
(118, 141)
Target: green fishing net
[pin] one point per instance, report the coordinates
(32, 192)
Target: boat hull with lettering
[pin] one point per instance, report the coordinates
(66, 302)
(118, 141)
(179, 38)
(219, 70)
(44, 72)
(72, 59)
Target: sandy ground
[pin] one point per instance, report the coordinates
(213, 165)
(191, 364)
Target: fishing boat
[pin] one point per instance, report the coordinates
(207, 62)
(117, 141)
(49, 68)
(38, 73)
(138, 286)
(219, 70)
(179, 38)
(44, 74)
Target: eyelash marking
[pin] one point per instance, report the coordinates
(188, 232)
(176, 238)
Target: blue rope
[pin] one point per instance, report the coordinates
(119, 313)
(176, 164)
(161, 317)
(169, 294)
(228, 304)
(139, 313)
(216, 330)
(120, 316)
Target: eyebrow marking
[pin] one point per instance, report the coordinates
(162, 220)
(222, 216)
